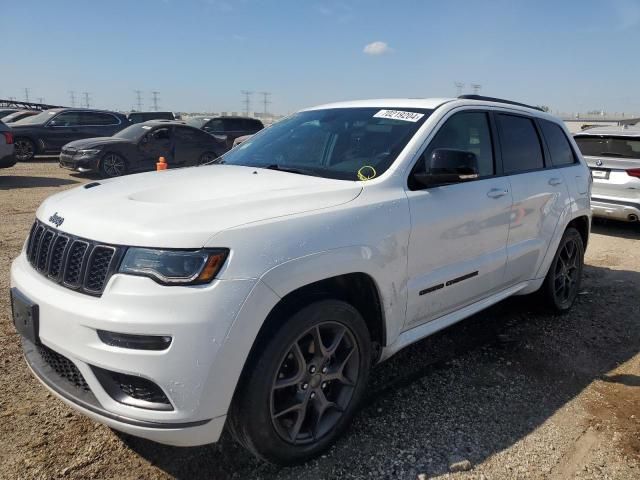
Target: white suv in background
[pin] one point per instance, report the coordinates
(257, 292)
(613, 154)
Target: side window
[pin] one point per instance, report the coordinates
(251, 125)
(233, 124)
(66, 119)
(186, 135)
(469, 132)
(97, 118)
(521, 149)
(559, 147)
(161, 134)
(214, 126)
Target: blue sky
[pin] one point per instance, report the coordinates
(199, 54)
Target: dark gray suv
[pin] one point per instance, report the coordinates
(48, 131)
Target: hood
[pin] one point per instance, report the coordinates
(185, 207)
(93, 142)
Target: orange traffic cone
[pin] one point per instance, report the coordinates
(162, 164)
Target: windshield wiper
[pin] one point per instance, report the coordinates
(613, 154)
(282, 168)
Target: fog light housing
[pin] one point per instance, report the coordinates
(135, 342)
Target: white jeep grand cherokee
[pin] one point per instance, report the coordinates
(257, 293)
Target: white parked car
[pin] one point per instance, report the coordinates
(613, 154)
(258, 292)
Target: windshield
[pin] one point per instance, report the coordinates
(134, 132)
(35, 119)
(341, 143)
(623, 147)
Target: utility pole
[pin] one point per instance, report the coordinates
(72, 97)
(155, 100)
(266, 102)
(86, 99)
(476, 88)
(459, 87)
(247, 100)
(138, 99)
(26, 94)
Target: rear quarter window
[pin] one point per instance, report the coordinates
(558, 144)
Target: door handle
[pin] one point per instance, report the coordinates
(555, 181)
(497, 192)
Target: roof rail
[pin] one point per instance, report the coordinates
(497, 100)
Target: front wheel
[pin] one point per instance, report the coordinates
(303, 387)
(562, 283)
(25, 149)
(112, 165)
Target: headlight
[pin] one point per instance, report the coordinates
(174, 267)
(86, 153)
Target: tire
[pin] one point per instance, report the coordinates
(207, 157)
(287, 371)
(562, 283)
(112, 165)
(25, 149)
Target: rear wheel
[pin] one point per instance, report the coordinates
(304, 386)
(25, 149)
(562, 283)
(112, 165)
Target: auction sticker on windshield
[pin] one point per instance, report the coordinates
(399, 115)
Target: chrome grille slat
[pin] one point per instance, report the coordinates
(73, 262)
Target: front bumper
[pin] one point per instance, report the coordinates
(79, 163)
(617, 209)
(197, 318)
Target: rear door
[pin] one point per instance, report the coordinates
(188, 147)
(540, 194)
(157, 143)
(457, 249)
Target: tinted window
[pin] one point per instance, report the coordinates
(96, 118)
(599, 146)
(252, 125)
(186, 135)
(521, 148)
(559, 147)
(470, 132)
(233, 124)
(214, 126)
(66, 119)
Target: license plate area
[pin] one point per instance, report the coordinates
(600, 173)
(25, 316)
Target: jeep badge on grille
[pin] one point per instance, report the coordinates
(56, 219)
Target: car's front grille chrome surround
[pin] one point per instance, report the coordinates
(76, 263)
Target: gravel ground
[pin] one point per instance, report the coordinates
(512, 392)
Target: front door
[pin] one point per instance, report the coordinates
(457, 249)
(155, 144)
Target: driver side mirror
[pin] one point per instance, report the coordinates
(446, 166)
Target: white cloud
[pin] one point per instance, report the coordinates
(377, 48)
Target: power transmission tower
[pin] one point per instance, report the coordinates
(26, 94)
(266, 102)
(459, 87)
(476, 88)
(155, 100)
(86, 99)
(138, 100)
(40, 99)
(72, 97)
(247, 100)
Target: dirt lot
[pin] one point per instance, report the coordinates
(510, 393)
